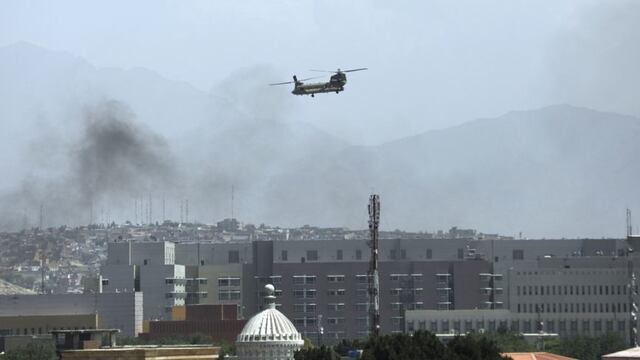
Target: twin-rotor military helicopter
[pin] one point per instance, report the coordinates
(336, 83)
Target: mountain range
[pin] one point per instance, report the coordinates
(91, 144)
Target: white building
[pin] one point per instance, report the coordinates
(268, 335)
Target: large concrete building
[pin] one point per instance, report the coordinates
(323, 283)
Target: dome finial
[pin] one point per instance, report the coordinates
(270, 298)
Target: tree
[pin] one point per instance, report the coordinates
(32, 351)
(422, 345)
(315, 353)
(473, 347)
(345, 346)
(586, 347)
(509, 341)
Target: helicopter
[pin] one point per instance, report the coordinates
(335, 84)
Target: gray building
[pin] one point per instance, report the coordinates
(148, 267)
(323, 283)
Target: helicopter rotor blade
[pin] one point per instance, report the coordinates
(311, 78)
(352, 70)
(340, 71)
(282, 83)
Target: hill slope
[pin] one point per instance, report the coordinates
(556, 171)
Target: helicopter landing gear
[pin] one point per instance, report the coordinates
(313, 95)
(337, 92)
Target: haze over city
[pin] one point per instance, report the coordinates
(101, 110)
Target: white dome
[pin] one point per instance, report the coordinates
(269, 325)
(268, 334)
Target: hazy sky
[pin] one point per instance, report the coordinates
(432, 64)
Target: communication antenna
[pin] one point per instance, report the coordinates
(629, 226)
(232, 199)
(164, 217)
(374, 282)
(186, 205)
(41, 222)
(25, 219)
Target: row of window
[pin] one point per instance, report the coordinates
(229, 295)
(573, 308)
(311, 279)
(312, 307)
(312, 255)
(572, 290)
(228, 281)
(610, 272)
(526, 326)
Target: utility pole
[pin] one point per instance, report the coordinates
(374, 281)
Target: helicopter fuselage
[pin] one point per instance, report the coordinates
(335, 84)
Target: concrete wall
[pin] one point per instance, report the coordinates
(115, 310)
(43, 324)
(462, 321)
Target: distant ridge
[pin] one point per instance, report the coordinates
(558, 171)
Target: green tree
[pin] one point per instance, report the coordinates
(473, 347)
(316, 353)
(32, 351)
(344, 346)
(585, 347)
(509, 341)
(422, 345)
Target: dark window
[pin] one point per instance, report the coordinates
(403, 254)
(392, 254)
(460, 253)
(202, 262)
(146, 261)
(339, 254)
(284, 255)
(429, 254)
(518, 254)
(234, 256)
(312, 255)
(358, 254)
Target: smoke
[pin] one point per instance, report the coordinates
(594, 63)
(116, 157)
(110, 161)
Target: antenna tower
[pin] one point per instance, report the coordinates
(629, 229)
(164, 217)
(41, 222)
(374, 282)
